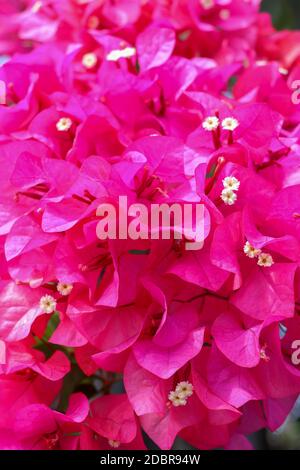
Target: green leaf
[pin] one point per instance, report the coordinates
(51, 326)
(184, 35)
(284, 13)
(101, 275)
(140, 252)
(70, 384)
(212, 172)
(232, 81)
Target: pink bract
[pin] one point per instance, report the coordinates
(164, 102)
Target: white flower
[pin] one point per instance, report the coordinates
(176, 399)
(48, 304)
(224, 14)
(283, 71)
(89, 60)
(265, 260)
(93, 22)
(64, 124)
(184, 389)
(121, 54)
(211, 123)
(229, 197)
(64, 289)
(207, 4)
(36, 7)
(250, 251)
(230, 124)
(114, 443)
(231, 182)
(263, 355)
(261, 63)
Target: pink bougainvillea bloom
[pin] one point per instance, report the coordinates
(112, 425)
(40, 428)
(107, 344)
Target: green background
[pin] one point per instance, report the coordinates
(286, 13)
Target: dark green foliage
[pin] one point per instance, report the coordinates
(285, 13)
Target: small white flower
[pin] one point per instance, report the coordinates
(114, 55)
(230, 124)
(89, 60)
(231, 182)
(207, 4)
(121, 54)
(114, 444)
(265, 260)
(250, 251)
(64, 288)
(93, 22)
(64, 124)
(283, 71)
(48, 304)
(176, 399)
(36, 7)
(261, 63)
(184, 389)
(224, 14)
(229, 197)
(128, 52)
(263, 355)
(211, 123)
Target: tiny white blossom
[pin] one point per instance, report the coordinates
(283, 71)
(64, 124)
(207, 4)
(184, 389)
(89, 60)
(211, 123)
(176, 399)
(93, 22)
(64, 288)
(36, 7)
(228, 197)
(263, 355)
(265, 260)
(230, 124)
(261, 63)
(121, 54)
(224, 14)
(113, 443)
(250, 251)
(231, 182)
(48, 304)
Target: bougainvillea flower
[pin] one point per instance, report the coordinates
(40, 428)
(109, 343)
(112, 425)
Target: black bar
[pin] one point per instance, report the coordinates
(137, 459)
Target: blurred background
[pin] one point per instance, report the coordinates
(286, 13)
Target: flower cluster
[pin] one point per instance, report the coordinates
(163, 101)
(231, 185)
